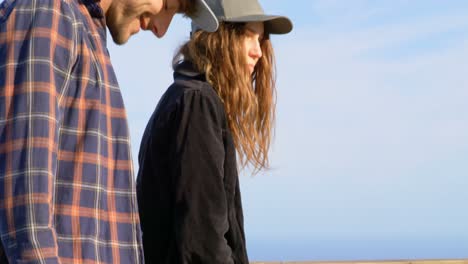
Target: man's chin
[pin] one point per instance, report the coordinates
(119, 38)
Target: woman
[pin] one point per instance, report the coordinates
(221, 103)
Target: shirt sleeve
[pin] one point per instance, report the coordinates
(201, 207)
(37, 39)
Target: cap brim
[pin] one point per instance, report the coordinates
(204, 18)
(273, 24)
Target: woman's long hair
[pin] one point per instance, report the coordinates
(249, 99)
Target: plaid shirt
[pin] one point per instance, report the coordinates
(67, 191)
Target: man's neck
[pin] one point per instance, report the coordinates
(105, 4)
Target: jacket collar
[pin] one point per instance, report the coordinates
(187, 69)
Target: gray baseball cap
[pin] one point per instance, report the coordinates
(204, 18)
(243, 11)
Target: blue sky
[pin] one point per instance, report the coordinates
(370, 155)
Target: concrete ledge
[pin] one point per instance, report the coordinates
(447, 261)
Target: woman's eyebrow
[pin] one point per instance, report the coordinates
(254, 32)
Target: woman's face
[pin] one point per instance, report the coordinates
(252, 40)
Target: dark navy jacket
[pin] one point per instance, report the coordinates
(188, 186)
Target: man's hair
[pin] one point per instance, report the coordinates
(187, 7)
(249, 100)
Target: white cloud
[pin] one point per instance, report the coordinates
(360, 134)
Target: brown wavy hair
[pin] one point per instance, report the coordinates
(186, 7)
(249, 99)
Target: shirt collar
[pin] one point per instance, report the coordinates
(94, 8)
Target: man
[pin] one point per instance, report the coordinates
(67, 193)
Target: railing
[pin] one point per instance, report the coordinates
(445, 261)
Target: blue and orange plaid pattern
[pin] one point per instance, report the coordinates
(67, 191)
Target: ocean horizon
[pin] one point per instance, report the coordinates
(357, 249)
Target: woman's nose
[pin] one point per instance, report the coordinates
(256, 50)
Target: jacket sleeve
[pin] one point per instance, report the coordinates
(35, 58)
(200, 200)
